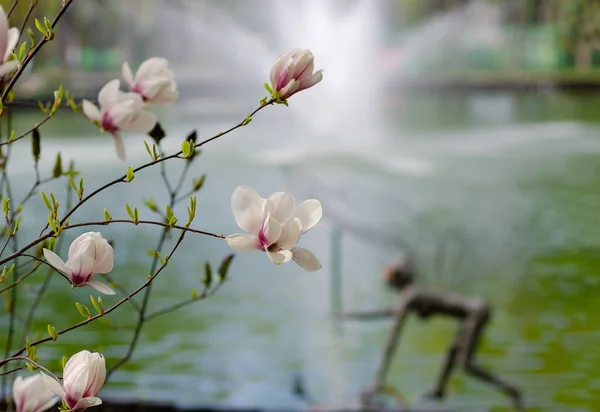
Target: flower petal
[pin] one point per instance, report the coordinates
(247, 207)
(85, 403)
(309, 212)
(281, 206)
(242, 243)
(55, 261)
(127, 74)
(280, 257)
(11, 41)
(3, 31)
(290, 234)
(8, 67)
(109, 94)
(100, 287)
(306, 259)
(91, 111)
(310, 81)
(142, 122)
(119, 146)
(270, 233)
(53, 385)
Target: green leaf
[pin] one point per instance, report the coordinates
(107, 215)
(207, 281)
(35, 144)
(57, 170)
(198, 183)
(130, 174)
(130, 212)
(85, 312)
(52, 332)
(224, 267)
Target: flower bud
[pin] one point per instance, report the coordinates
(89, 255)
(83, 378)
(31, 394)
(293, 72)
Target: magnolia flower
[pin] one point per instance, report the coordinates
(293, 72)
(83, 378)
(274, 226)
(8, 41)
(89, 255)
(32, 395)
(119, 111)
(154, 81)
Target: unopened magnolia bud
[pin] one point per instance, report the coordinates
(58, 169)
(157, 133)
(35, 144)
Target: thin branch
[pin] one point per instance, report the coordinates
(31, 54)
(12, 8)
(205, 294)
(32, 5)
(107, 311)
(21, 136)
(21, 279)
(145, 222)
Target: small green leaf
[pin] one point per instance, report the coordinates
(57, 170)
(107, 215)
(224, 267)
(130, 175)
(198, 183)
(207, 281)
(52, 332)
(130, 212)
(151, 204)
(85, 312)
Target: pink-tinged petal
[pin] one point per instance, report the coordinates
(80, 244)
(127, 74)
(270, 232)
(11, 41)
(281, 206)
(242, 243)
(76, 362)
(124, 112)
(91, 111)
(143, 122)
(280, 257)
(290, 234)
(47, 405)
(289, 90)
(55, 261)
(3, 31)
(86, 403)
(303, 62)
(247, 207)
(109, 94)
(306, 259)
(100, 377)
(100, 287)
(119, 146)
(279, 66)
(310, 81)
(309, 212)
(53, 385)
(8, 67)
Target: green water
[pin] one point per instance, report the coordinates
(512, 199)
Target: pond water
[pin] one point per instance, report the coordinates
(512, 199)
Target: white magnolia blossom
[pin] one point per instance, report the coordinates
(119, 111)
(274, 225)
(293, 72)
(89, 255)
(154, 81)
(31, 394)
(83, 378)
(8, 40)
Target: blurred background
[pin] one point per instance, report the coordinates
(464, 131)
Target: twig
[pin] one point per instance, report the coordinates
(105, 312)
(21, 279)
(31, 54)
(21, 136)
(12, 8)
